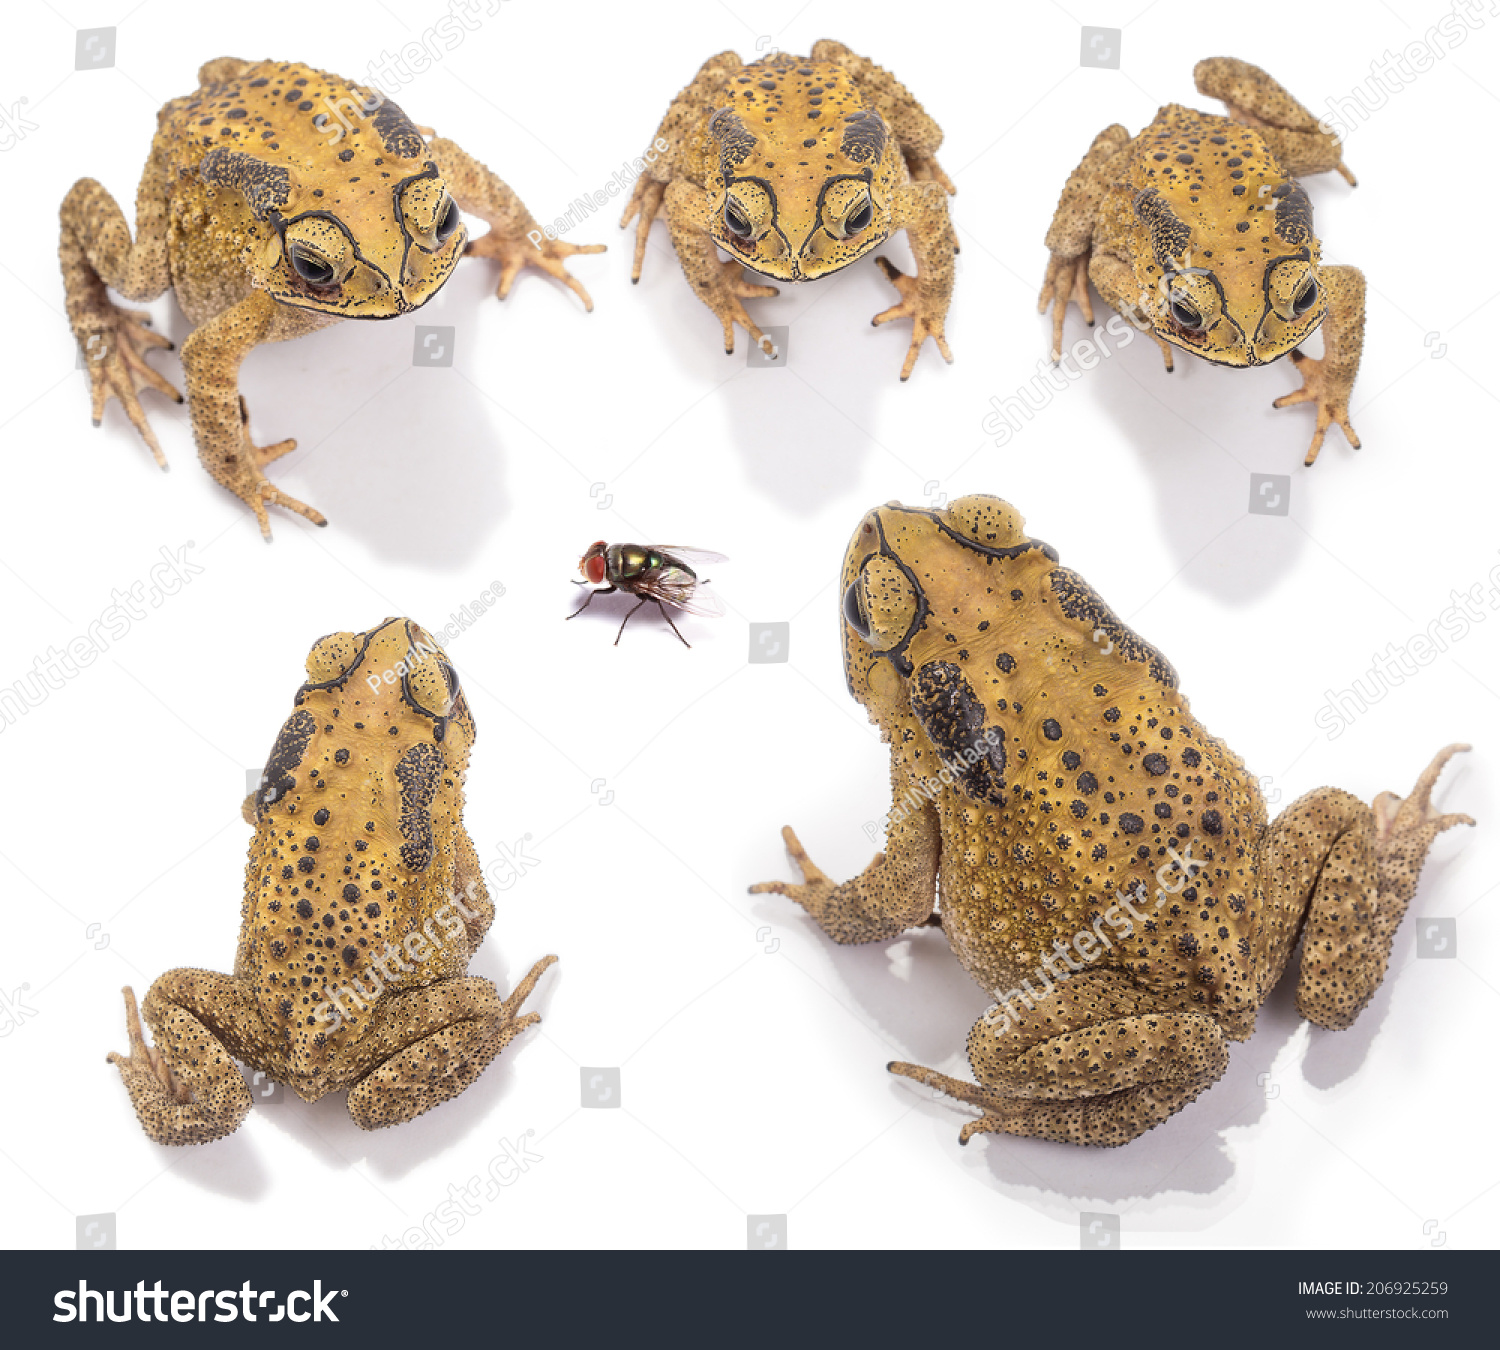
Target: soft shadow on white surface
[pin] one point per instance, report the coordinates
(401, 458)
(803, 428)
(234, 1168)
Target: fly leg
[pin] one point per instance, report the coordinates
(608, 590)
(673, 626)
(626, 619)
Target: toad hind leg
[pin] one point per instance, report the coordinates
(1070, 1067)
(95, 251)
(442, 1037)
(1070, 236)
(514, 240)
(918, 135)
(1251, 96)
(186, 1089)
(1353, 870)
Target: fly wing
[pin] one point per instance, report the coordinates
(675, 585)
(702, 600)
(691, 556)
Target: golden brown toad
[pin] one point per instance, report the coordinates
(797, 167)
(1098, 860)
(364, 901)
(1198, 232)
(278, 199)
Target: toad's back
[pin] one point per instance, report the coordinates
(1107, 775)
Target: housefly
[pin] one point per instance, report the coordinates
(663, 574)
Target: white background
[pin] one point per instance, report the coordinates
(751, 1047)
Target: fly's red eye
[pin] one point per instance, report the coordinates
(594, 570)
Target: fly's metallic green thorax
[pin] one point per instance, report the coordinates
(634, 560)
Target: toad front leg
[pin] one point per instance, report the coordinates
(211, 360)
(720, 285)
(921, 209)
(427, 1045)
(1328, 383)
(95, 251)
(514, 240)
(186, 1089)
(920, 206)
(895, 892)
(693, 106)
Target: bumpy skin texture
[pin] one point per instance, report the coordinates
(1077, 779)
(796, 167)
(263, 161)
(364, 901)
(1197, 231)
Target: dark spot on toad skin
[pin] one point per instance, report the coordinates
(398, 135)
(736, 140)
(417, 771)
(1080, 602)
(864, 136)
(266, 187)
(952, 715)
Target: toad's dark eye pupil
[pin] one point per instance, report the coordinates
(859, 219)
(450, 677)
(1185, 314)
(311, 269)
(447, 221)
(854, 611)
(1306, 298)
(738, 225)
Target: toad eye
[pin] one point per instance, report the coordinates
(854, 610)
(1306, 298)
(1185, 313)
(447, 221)
(736, 222)
(311, 268)
(859, 219)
